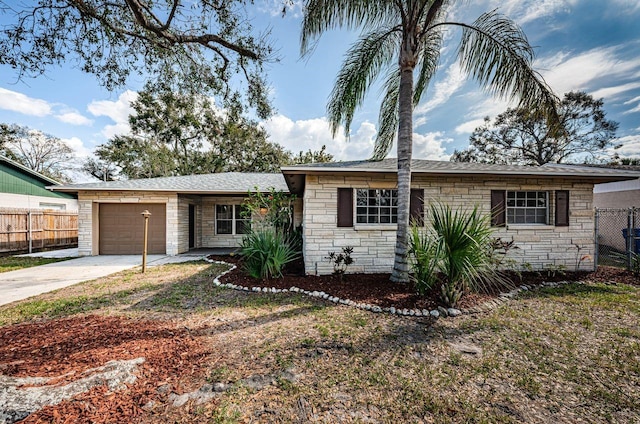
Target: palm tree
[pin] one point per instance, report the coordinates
(399, 37)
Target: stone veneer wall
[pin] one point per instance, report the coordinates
(209, 236)
(539, 245)
(88, 213)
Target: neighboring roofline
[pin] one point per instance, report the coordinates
(28, 170)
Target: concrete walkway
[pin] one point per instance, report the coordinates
(27, 282)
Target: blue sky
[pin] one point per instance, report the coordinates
(585, 45)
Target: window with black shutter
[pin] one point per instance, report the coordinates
(345, 207)
(498, 211)
(376, 206)
(416, 206)
(562, 208)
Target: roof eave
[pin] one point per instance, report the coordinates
(162, 190)
(538, 173)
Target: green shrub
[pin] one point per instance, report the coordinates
(425, 258)
(266, 252)
(341, 261)
(273, 209)
(454, 250)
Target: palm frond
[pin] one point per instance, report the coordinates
(466, 236)
(429, 59)
(388, 118)
(495, 51)
(362, 65)
(388, 115)
(323, 15)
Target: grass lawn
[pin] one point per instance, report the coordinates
(566, 354)
(11, 263)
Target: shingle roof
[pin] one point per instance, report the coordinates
(222, 183)
(419, 166)
(240, 183)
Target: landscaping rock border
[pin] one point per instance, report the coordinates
(440, 312)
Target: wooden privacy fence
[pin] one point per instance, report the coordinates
(28, 230)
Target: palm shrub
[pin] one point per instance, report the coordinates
(425, 257)
(455, 251)
(266, 252)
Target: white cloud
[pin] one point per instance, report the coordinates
(110, 131)
(566, 73)
(632, 110)
(490, 106)
(312, 134)
(443, 90)
(629, 146)
(469, 126)
(118, 111)
(636, 108)
(430, 146)
(635, 99)
(527, 11)
(78, 147)
(18, 102)
(626, 7)
(612, 92)
(274, 8)
(74, 118)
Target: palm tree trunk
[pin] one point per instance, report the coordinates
(400, 272)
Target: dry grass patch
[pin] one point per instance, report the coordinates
(555, 355)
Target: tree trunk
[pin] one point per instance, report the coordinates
(400, 272)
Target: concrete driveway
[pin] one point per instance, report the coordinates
(24, 283)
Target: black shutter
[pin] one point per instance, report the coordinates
(416, 206)
(562, 208)
(345, 207)
(498, 210)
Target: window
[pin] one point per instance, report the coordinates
(376, 206)
(231, 220)
(527, 207)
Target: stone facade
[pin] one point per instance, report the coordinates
(88, 216)
(539, 246)
(209, 236)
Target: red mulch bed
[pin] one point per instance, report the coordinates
(73, 345)
(375, 289)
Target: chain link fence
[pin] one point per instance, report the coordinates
(617, 236)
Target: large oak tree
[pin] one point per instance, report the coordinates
(183, 134)
(518, 136)
(200, 46)
(38, 151)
